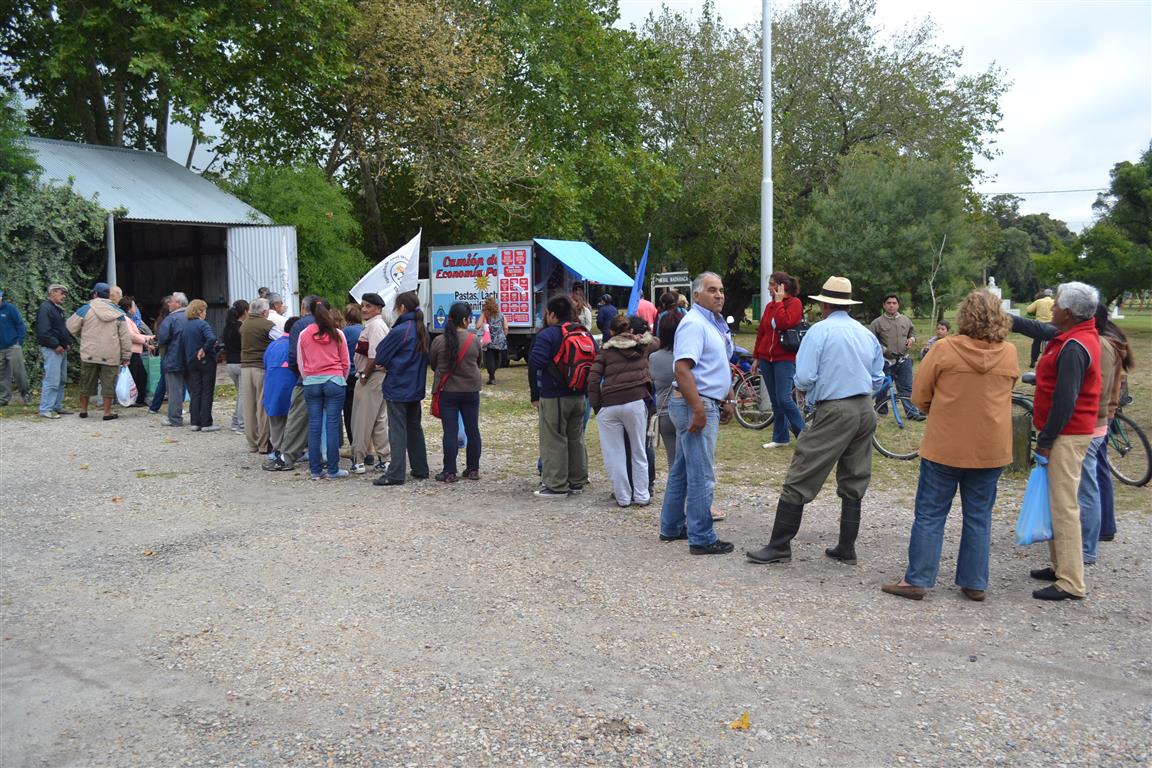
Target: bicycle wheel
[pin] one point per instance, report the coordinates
(1129, 456)
(752, 410)
(896, 436)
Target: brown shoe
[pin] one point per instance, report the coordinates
(975, 595)
(905, 590)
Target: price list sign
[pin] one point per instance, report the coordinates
(516, 285)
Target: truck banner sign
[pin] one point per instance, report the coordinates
(472, 275)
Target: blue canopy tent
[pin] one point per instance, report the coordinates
(582, 260)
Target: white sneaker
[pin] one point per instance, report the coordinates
(774, 445)
(358, 469)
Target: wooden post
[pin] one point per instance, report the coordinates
(1021, 441)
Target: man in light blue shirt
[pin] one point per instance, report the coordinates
(701, 401)
(839, 365)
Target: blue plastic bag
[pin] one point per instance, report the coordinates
(1035, 521)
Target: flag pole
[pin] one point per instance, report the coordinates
(766, 179)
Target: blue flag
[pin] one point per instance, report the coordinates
(638, 286)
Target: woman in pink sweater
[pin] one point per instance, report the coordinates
(323, 359)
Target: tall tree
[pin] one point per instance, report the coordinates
(883, 225)
(118, 73)
(837, 87)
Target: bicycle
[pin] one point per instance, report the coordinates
(896, 436)
(1129, 452)
(752, 411)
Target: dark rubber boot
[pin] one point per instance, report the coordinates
(787, 524)
(845, 551)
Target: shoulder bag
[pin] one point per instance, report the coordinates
(447, 376)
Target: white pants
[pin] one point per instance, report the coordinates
(617, 423)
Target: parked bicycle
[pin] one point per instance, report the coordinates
(897, 436)
(753, 411)
(1129, 454)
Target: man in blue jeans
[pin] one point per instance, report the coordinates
(53, 337)
(701, 401)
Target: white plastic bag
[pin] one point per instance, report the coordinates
(126, 392)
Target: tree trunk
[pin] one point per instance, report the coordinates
(163, 106)
(119, 107)
(100, 124)
(373, 231)
(336, 156)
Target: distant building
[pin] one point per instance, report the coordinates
(177, 231)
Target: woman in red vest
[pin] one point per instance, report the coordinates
(1064, 414)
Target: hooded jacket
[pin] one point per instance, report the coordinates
(1112, 354)
(965, 387)
(620, 374)
(104, 337)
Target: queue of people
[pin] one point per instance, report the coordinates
(305, 383)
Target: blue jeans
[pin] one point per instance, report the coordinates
(778, 380)
(692, 478)
(55, 377)
(1107, 497)
(325, 404)
(456, 407)
(934, 494)
(1088, 497)
(902, 377)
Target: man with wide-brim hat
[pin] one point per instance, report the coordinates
(838, 367)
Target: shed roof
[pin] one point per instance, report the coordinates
(148, 185)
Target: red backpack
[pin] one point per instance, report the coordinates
(573, 362)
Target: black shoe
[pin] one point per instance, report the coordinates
(1052, 592)
(111, 416)
(1043, 574)
(678, 537)
(1109, 537)
(715, 548)
(384, 480)
(575, 489)
(83, 414)
(784, 528)
(917, 417)
(419, 477)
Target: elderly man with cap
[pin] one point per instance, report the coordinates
(369, 411)
(172, 364)
(53, 337)
(255, 336)
(12, 333)
(105, 345)
(839, 366)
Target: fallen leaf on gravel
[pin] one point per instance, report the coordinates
(95, 434)
(83, 466)
(149, 553)
(117, 499)
(169, 440)
(741, 723)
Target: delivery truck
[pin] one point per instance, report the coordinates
(522, 275)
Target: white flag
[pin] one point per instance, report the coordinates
(398, 273)
(285, 288)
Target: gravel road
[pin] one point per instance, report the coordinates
(167, 603)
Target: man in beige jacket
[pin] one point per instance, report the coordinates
(105, 345)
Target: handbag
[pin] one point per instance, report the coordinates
(126, 392)
(1035, 521)
(791, 338)
(447, 376)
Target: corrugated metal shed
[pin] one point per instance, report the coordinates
(150, 186)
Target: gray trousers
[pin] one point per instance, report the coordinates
(12, 372)
(296, 429)
(251, 395)
(174, 381)
(238, 411)
(840, 435)
(563, 455)
(276, 430)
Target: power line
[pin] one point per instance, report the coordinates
(1049, 191)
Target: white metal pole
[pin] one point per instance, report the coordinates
(766, 179)
(110, 239)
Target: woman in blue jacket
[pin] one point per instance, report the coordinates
(199, 347)
(404, 355)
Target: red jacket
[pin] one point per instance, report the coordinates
(786, 314)
(1083, 419)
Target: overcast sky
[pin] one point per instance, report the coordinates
(1080, 98)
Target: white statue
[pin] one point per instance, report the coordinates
(991, 282)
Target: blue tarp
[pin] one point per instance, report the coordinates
(585, 261)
